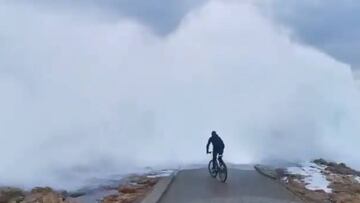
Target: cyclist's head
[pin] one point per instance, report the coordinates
(213, 133)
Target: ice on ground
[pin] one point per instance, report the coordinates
(312, 176)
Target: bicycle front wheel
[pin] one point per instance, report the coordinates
(212, 171)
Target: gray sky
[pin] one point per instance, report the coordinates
(330, 25)
(162, 16)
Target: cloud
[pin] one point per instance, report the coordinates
(328, 25)
(83, 97)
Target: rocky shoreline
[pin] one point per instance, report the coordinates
(319, 181)
(132, 189)
(36, 195)
(343, 183)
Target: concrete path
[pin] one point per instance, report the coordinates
(243, 186)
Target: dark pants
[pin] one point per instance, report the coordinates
(215, 154)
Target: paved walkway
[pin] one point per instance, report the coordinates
(243, 186)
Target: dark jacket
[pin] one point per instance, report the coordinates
(218, 144)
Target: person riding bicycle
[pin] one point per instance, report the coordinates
(218, 146)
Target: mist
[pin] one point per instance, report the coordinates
(83, 97)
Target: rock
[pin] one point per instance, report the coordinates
(45, 195)
(110, 199)
(340, 183)
(127, 189)
(267, 171)
(299, 189)
(321, 162)
(124, 198)
(280, 172)
(345, 198)
(341, 169)
(75, 194)
(132, 191)
(344, 170)
(345, 188)
(43, 190)
(148, 181)
(11, 195)
(141, 184)
(128, 198)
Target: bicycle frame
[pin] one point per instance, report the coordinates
(218, 161)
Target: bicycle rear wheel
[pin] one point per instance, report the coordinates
(222, 172)
(212, 171)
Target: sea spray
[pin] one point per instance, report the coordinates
(83, 98)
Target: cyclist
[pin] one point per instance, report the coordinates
(218, 146)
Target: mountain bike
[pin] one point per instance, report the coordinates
(219, 170)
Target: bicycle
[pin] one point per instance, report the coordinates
(220, 169)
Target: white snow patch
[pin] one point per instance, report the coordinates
(357, 178)
(312, 176)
